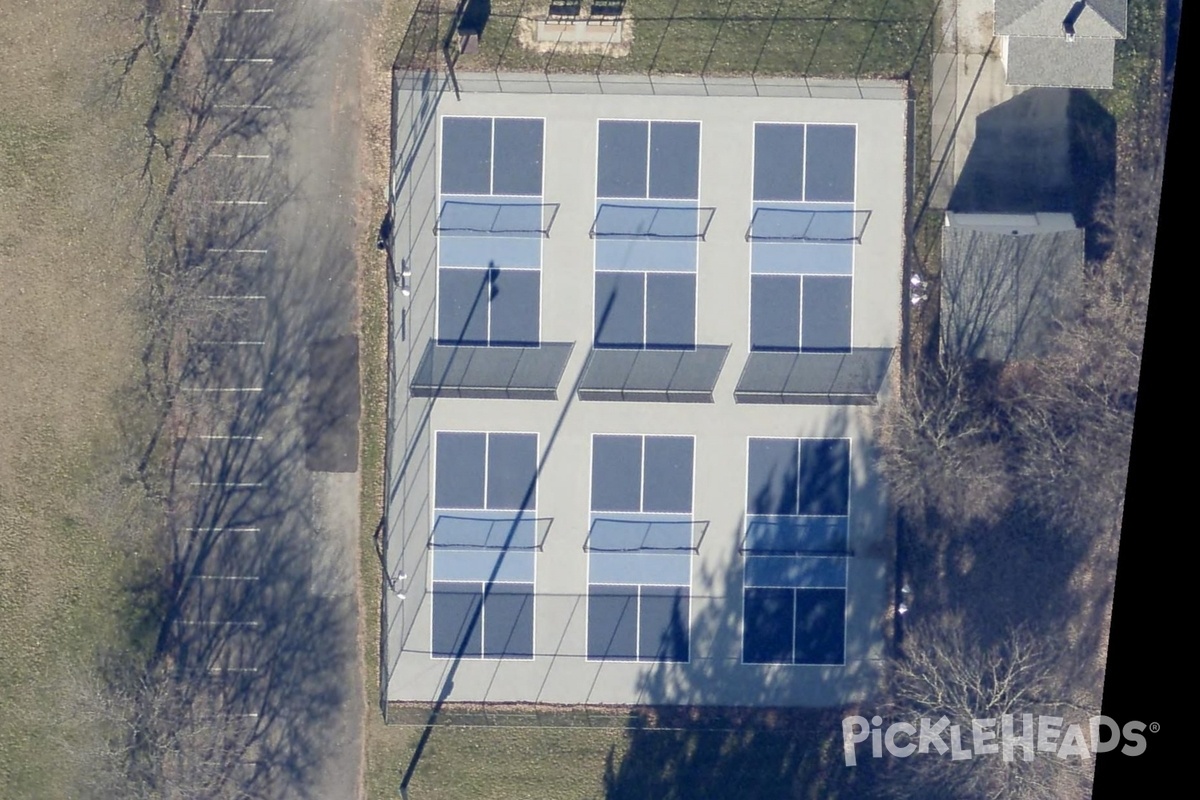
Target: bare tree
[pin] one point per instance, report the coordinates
(941, 447)
(1071, 413)
(208, 709)
(1054, 430)
(945, 673)
(143, 734)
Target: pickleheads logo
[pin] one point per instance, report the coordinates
(1006, 736)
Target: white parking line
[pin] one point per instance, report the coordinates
(229, 437)
(234, 529)
(239, 202)
(248, 60)
(223, 670)
(236, 155)
(194, 10)
(212, 623)
(228, 484)
(237, 297)
(232, 343)
(223, 389)
(243, 250)
(227, 577)
(241, 105)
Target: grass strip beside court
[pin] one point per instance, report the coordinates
(814, 38)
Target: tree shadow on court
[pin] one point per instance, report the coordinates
(717, 726)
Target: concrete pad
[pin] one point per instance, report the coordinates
(560, 670)
(331, 406)
(1021, 157)
(968, 79)
(975, 26)
(980, 86)
(335, 540)
(944, 127)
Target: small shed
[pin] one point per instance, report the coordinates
(1007, 281)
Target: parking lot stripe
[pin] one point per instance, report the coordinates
(228, 484)
(226, 389)
(206, 11)
(232, 343)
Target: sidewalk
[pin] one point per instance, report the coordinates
(968, 79)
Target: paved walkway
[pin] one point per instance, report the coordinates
(277, 483)
(322, 154)
(968, 79)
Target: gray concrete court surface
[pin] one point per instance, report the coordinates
(642, 564)
(271, 604)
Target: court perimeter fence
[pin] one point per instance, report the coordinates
(858, 49)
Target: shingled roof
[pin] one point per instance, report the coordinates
(1041, 51)
(1003, 294)
(1100, 19)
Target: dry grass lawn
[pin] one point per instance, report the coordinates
(69, 266)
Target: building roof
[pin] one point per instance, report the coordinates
(1038, 51)
(1003, 294)
(1104, 19)
(1056, 62)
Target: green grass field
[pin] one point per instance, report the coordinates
(816, 38)
(1138, 57)
(567, 762)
